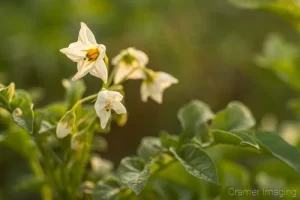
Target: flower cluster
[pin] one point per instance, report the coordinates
(129, 64)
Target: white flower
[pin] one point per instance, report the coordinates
(88, 54)
(155, 84)
(106, 101)
(128, 62)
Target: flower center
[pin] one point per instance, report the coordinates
(108, 107)
(129, 59)
(92, 54)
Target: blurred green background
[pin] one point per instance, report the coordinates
(209, 45)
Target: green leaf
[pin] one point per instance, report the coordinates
(193, 115)
(282, 58)
(23, 110)
(74, 91)
(168, 140)
(134, 173)
(235, 117)
(6, 95)
(196, 162)
(148, 147)
(234, 138)
(29, 182)
(279, 148)
(109, 188)
(19, 141)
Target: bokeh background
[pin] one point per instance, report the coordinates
(209, 45)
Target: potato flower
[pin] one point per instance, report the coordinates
(154, 85)
(88, 54)
(107, 101)
(128, 63)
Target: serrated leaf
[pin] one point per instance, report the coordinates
(193, 115)
(235, 117)
(23, 110)
(279, 148)
(234, 138)
(74, 91)
(134, 173)
(148, 147)
(196, 162)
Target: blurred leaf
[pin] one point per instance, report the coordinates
(235, 176)
(234, 138)
(109, 188)
(19, 140)
(282, 58)
(134, 173)
(193, 115)
(29, 182)
(168, 140)
(45, 127)
(288, 9)
(99, 144)
(294, 105)
(196, 162)
(23, 110)
(235, 117)
(251, 3)
(6, 95)
(74, 91)
(279, 148)
(149, 146)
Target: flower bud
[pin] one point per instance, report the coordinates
(66, 124)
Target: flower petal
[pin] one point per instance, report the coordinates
(102, 100)
(118, 107)
(104, 116)
(86, 36)
(76, 52)
(100, 70)
(122, 72)
(83, 67)
(144, 91)
(156, 92)
(165, 80)
(114, 96)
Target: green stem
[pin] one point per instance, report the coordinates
(85, 153)
(88, 98)
(111, 77)
(46, 191)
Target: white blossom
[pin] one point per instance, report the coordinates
(88, 54)
(154, 85)
(107, 101)
(128, 63)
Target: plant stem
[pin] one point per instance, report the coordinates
(111, 76)
(88, 98)
(46, 191)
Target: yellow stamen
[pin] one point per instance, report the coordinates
(92, 54)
